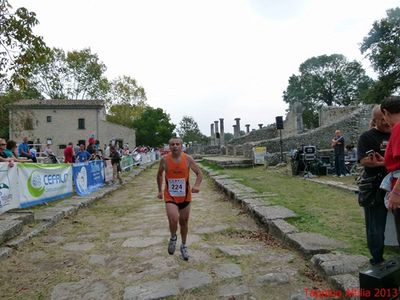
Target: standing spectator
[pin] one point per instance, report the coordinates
(23, 150)
(115, 161)
(82, 155)
(374, 171)
(338, 146)
(69, 153)
(390, 108)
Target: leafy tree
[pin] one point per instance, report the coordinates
(71, 75)
(125, 90)
(382, 47)
(153, 127)
(228, 136)
(189, 131)
(19, 47)
(124, 114)
(326, 80)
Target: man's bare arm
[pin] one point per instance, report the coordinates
(160, 172)
(199, 175)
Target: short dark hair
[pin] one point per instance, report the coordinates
(11, 144)
(391, 104)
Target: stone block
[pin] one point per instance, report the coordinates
(51, 214)
(5, 252)
(9, 229)
(348, 284)
(280, 228)
(266, 213)
(152, 290)
(334, 264)
(313, 243)
(25, 216)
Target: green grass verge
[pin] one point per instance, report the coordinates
(322, 209)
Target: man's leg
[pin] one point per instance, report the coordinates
(173, 217)
(337, 167)
(184, 222)
(375, 222)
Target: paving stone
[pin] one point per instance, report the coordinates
(37, 255)
(78, 246)
(17, 242)
(27, 217)
(213, 229)
(98, 259)
(276, 257)
(53, 239)
(5, 252)
(84, 290)
(140, 242)
(280, 228)
(50, 214)
(238, 250)
(273, 279)
(226, 271)
(313, 243)
(191, 278)
(272, 212)
(233, 290)
(335, 264)
(9, 229)
(248, 202)
(197, 256)
(152, 290)
(125, 234)
(346, 283)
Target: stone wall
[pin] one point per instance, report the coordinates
(352, 126)
(331, 114)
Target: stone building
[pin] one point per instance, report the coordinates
(63, 121)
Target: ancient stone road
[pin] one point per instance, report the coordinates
(117, 249)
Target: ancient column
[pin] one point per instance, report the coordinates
(216, 133)
(247, 128)
(260, 126)
(235, 135)
(238, 126)
(212, 139)
(221, 132)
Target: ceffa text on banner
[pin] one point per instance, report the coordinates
(42, 183)
(9, 192)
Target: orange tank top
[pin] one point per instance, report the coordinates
(177, 187)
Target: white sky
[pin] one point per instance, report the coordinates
(209, 59)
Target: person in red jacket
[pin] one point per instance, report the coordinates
(177, 193)
(69, 153)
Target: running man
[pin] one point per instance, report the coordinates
(177, 192)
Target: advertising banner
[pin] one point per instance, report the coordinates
(88, 176)
(259, 155)
(40, 183)
(9, 197)
(108, 171)
(126, 162)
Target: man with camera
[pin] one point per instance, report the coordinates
(370, 152)
(338, 146)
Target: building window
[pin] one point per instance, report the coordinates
(48, 119)
(81, 123)
(28, 124)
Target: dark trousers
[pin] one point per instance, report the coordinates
(339, 165)
(375, 222)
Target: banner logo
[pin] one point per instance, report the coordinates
(35, 184)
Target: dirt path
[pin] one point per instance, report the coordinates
(117, 249)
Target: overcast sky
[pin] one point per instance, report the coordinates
(209, 59)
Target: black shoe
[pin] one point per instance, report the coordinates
(375, 261)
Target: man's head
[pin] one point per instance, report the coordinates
(338, 132)
(25, 140)
(3, 144)
(390, 108)
(175, 146)
(378, 120)
(82, 147)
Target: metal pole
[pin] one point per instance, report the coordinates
(280, 141)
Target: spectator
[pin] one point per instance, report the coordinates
(338, 146)
(370, 196)
(115, 161)
(69, 153)
(82, 155)
(23, 150)
(12, 152)
(3, 156)
(48, 151)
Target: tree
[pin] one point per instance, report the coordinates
(125, 90)
(19, 47)
(71, 75)
(382, 47)
(189, 131)
(326, 80)
(153, 127)
(124, 114)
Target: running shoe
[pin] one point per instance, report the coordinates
(184, 252)
(172, 244)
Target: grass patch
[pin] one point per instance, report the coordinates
(211, 165)
(326, 210)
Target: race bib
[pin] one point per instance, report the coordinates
(177, 187)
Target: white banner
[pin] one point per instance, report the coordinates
(40, 183)
(8, 187)
(259, 155)
(108, 174)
